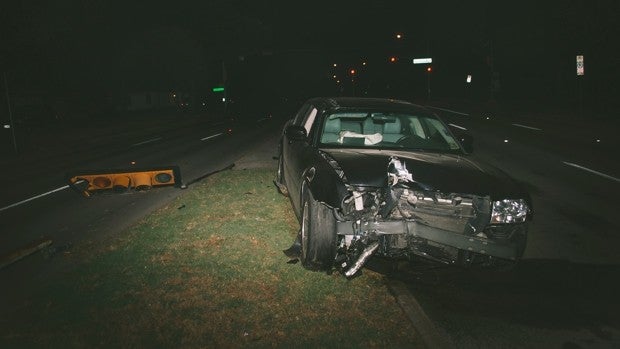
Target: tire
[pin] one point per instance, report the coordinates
(318, 235)
(279, 181)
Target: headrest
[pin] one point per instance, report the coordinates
(392, 127)
(332, 126)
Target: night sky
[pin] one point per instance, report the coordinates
(94, 48)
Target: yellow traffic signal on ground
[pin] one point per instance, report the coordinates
(88, 182)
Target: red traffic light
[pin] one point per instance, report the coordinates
(429, 69)
(393, 59)
(352, 71)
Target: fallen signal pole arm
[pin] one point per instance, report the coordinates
(24, 251)
(207, 175)
(122, 180)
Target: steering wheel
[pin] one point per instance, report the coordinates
(403, 139)
(410, 140)
(406, 139)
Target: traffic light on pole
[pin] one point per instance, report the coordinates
(429, 69)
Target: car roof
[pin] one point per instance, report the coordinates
(383, 104)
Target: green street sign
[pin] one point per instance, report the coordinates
(218, 89)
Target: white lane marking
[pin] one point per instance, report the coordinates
(457, 126)
(34, 198)
(528, 127)
(212, 136)
(448, 110)
(592, 171)
(145, 142)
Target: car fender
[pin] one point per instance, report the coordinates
(324, 184)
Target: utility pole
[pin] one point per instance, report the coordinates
(8, 104)
(429, 69)
(491, 68)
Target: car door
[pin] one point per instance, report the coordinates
(295, 155)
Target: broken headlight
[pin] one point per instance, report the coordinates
(509, 211)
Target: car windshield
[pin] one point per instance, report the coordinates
(380, 130)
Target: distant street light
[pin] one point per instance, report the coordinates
(10, 113)
(399, 36)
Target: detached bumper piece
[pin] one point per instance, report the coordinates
(124, 180)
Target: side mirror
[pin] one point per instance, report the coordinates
(296, 133)
(467, 141)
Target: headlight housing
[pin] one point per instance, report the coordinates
(509, 211)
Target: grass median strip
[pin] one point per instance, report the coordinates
(208, 271)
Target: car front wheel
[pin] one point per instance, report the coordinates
(318, 235)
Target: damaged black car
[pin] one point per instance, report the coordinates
(380, 177)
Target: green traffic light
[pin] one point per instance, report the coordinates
(218, 89)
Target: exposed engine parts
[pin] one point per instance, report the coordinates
(421, 221)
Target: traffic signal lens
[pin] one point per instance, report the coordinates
(142, 181)
(121, 183)
(163, 177)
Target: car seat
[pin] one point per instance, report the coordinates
(392, 131)
(331, 131)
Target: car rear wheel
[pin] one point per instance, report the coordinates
(279, 181)
(318, 235)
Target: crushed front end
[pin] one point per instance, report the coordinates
(406, 218)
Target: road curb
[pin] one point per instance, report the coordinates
(431, 337)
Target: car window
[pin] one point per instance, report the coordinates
(416, 127)
(310, 120)
(386, 130)
(439, 132)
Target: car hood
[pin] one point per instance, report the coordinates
(440, 172)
